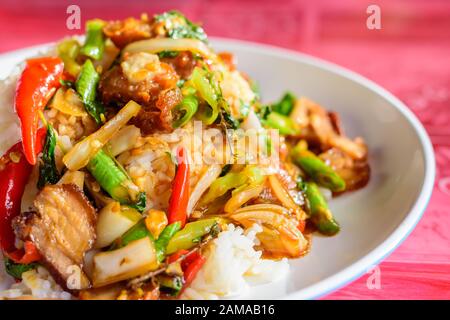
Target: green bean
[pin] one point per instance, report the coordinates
(164, 238)
(318, 170)
(320, 214)
(284, 124)
(208, 114)
(190, 234)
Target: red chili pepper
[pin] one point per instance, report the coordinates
(180, 190)
(177, 255)
(192, 269)
(39, 80)
(13, 178)
(27, 255)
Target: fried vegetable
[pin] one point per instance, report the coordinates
(157, 45)
(68, 51)
(205, 181)
(320, 214)
(282, 194)
(68, 101)
(138, 231)
(179, 198)
(141, 202)
(94, 44)
(315, 168)
(86, 86)
(201, 82)
(110, 176)
(170, 285)
(164, 238)
(48, 173)
(189, 236)
(80, 155)
(284, 124)
(233, 180)
(223, 184)
(113, 221)
(280, 236)
(123, 140)
(241, 197)
(73, 177)
(185, 111)
(134, 259)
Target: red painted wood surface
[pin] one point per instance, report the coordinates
(410, 56)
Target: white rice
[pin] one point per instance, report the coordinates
(232, 265)
(36, 283)
(9, 122)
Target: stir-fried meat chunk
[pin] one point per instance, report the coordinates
(63, 229)
(116, 89)
(123, 32)
(322, 129)
(159, 118)
(151, 83)
(355, 172)
(183, 63)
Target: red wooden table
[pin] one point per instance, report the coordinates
(410, 56)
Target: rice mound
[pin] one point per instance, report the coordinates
(232, 265)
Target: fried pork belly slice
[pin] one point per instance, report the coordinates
(63, 229)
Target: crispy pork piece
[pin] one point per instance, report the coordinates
(63, 229)
(145, 79)
(123, 32)
(183, 63)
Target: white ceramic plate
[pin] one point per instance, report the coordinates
(374, 220)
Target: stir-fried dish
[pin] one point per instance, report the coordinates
(129, 200)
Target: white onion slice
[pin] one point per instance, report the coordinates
(203, 183)
(168, 44)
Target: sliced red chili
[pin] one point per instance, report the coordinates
(39, 80)
(180, 190)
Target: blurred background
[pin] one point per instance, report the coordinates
(409, 55)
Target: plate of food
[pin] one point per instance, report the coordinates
(147, 161)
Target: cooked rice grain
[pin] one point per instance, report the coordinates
(232, 265)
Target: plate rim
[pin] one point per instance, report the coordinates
(407, 225)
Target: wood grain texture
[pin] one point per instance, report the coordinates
(409, 56)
